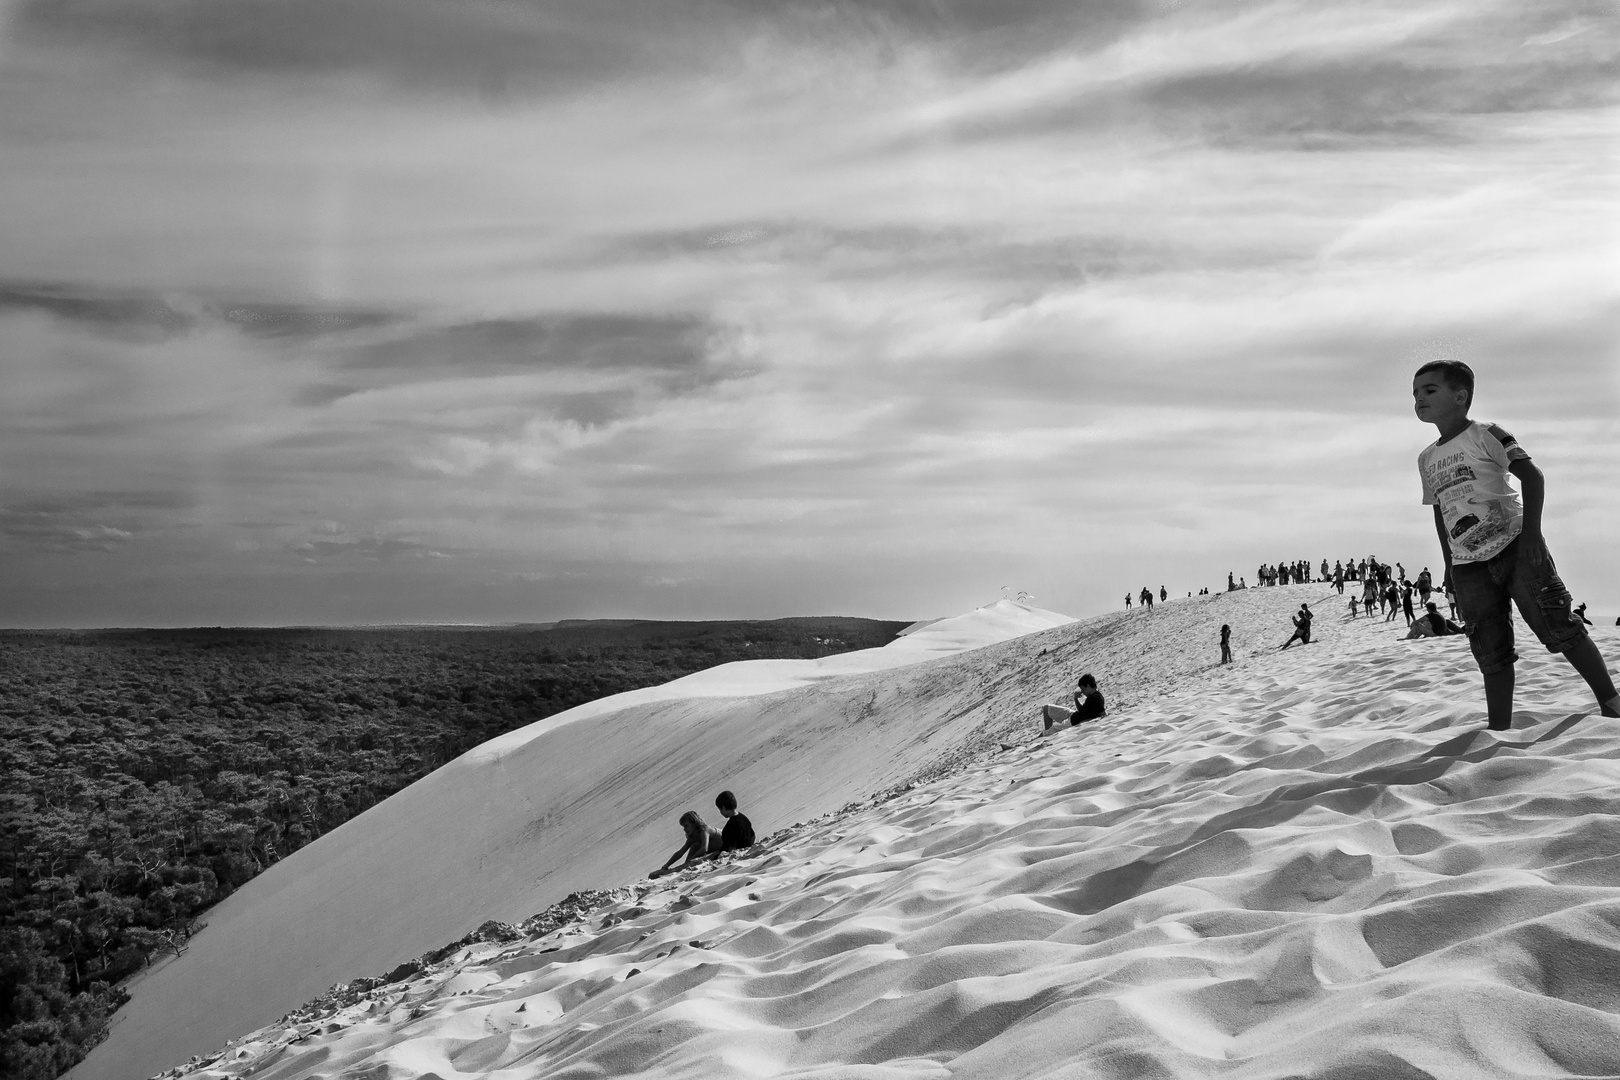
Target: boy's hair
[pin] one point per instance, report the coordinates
(725, 801)
(1454, 373)
(1088, 679)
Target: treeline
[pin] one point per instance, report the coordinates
(147, 774)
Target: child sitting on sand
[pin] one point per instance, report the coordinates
(1302, 626)
(1433, 624)
(1088, 704)
(702, 840)
(739, 831)
(1492, 542)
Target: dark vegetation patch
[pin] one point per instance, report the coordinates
(147, 774)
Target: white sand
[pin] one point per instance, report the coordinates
(1314, 863)
(584, 799)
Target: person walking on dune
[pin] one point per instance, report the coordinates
(1226, 643)
(1491, 538)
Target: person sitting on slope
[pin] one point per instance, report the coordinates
(739, 831)
(1088, 704)
(702, 840)
(1433, 624)
(1302, 627)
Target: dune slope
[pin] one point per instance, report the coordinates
(583, 799)
(1314, 863)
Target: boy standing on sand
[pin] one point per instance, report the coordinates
(1492, 542)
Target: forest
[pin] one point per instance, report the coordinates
(147, 774)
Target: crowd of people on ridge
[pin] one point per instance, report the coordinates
(1495, 555)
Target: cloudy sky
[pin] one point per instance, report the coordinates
(461, 310)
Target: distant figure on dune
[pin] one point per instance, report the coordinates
(739, 831)
(1580, 613)
(1425, 584)
(1146, 596)
(702, 840)
(1406, 601)
(1226, 643)
(1433, 624)
(1164, 594)
(1302, 627)
(1353, 604)
(1231, 585)
(1338, 579)
(1491, 538)
(1088, 705)
(1127, 601)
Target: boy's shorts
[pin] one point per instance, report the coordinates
(1483, 590)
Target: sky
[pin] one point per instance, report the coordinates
(381, 311)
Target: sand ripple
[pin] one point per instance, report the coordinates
(1312, 865)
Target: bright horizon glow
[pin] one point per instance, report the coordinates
(476, 313)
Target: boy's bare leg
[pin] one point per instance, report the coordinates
(1586, 659)
(1499, 699)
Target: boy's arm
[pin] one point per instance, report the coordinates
(1445, 541)
(1533, 486)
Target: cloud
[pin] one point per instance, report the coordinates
(128, 314)
(78, 524)
(371, 548)
(841, 304)
(423, 42)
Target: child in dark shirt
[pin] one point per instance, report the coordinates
(739, 831)
(1088, 700)
(1088, 704)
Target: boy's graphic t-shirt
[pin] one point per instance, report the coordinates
(1468, 479)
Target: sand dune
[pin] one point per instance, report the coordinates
(584, 799)
(1314, 863)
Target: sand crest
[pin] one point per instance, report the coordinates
(1314, 863)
